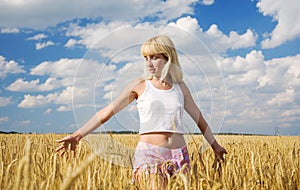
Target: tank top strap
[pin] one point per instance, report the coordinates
(179, 92)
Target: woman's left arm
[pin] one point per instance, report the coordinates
(192, 109)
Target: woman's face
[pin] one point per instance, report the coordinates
(155, 64)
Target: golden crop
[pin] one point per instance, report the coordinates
(253, 162)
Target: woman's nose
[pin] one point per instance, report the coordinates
(149, 62)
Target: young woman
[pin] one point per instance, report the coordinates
(161, 99)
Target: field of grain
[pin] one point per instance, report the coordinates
(253, 162)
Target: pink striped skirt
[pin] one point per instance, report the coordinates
(166, 162)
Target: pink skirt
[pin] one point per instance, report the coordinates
(166, 162)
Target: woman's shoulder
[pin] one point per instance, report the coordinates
(138, 81)
(138, 85)
(183, 87)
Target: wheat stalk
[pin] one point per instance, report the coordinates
(74, 174)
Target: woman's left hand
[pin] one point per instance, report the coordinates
(219, 151)
(68, 141)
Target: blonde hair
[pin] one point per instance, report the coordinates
(163, 45)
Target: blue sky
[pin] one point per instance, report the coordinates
(61, 61)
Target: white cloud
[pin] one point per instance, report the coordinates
(272, 76)
(248, 78)
(93, 33)
(3, 119)
(116, 35)
(71, 43)
(219, 42)
(78, 72)
(9, 67)
(256, 113)
(283, 98)
(171, 9)
(41, 14)
(187, 24)
(32, 86)
(256, 87)
(26, 122)
(188, 37)
(288, 113)
(65, 97)
(41, 45)
(48, 111)
(287, 16)
(9, 30)
(63, 109)
(214, 38)
(4, 101)
(208, 2)
(37, 37)
(66, 68)
(281, 73)
(241, 65)
(78, 79)
(261, 89)
(34, 101)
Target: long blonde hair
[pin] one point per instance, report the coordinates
(163, 45)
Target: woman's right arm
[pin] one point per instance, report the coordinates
(126, 97)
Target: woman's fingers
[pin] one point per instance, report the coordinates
(65, 139)
(66, 143)
(60, 148)
(62, 153)
(220, 154)
(73, 146)
(215, 164)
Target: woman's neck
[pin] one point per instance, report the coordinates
(164, 82)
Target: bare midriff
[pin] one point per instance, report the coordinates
(164, 139)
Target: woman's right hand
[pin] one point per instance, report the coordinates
(70, 140)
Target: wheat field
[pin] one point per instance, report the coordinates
(29, 161)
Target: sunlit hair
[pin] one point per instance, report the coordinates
(163, 45)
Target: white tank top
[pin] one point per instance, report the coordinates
(161, 110)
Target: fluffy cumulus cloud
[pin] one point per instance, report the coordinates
(214, 38)
(171, 9)
(37, 37)
(41, 45)
(58, 98)
(4, 101)
(63, 108)
(114, 35)
(282, 98)
(186, 33)
(187, 24)
(32, 86)
(281, 73)
(220, 42)
(251, 79)
(74, 80)
(9, 30)
(208, 2)
(256, 89)
(254, 60)
(51, 12)
(259, 89)
(9, 67)
(287, 16)
(48, 111)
